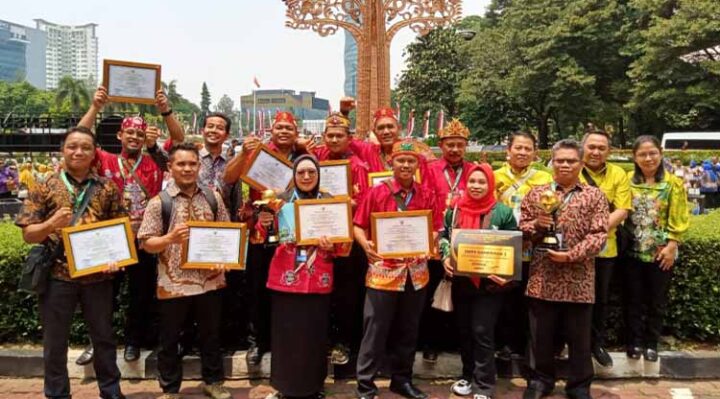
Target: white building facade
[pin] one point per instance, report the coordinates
(71, 51)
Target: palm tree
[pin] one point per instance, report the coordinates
(73, 91)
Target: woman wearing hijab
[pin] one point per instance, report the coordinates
(477, 301)
(300, 280)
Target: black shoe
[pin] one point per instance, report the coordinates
(650, 355)
(254, 355)
(602, 356)
(86, 357)
(430, 356)
(114, 396)
(579, 395)
(367, 396)
(504, 354)
(634, 352)
(132, 353)
(407, 390)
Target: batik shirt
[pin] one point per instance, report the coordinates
(174, 282)
(659, 213)
(583, 223)
(47, 198)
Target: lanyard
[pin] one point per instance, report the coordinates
(408, 198)
(566, 198)
(134, 168)
(77, 199)
(453, 186)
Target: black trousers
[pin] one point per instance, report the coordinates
(258, 265)
(347, 298)
(390, 330)
(646, 295)
(206, 311)
(234, 329)
(141, 320)
(57, 306)
(576, 323)
(603, 275)
(477, 315)
(436, 326)
(512, 328)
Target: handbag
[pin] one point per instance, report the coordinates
(40, 259)
(442, 299)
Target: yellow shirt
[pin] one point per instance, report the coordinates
(511, 188)
(27, 179)
(614, 183)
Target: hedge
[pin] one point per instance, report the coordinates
(616, 155)
(693, 311)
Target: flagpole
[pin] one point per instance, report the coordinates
(254, 112)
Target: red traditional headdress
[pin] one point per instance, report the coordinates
(134, 122)
(385, 112)
(282, 116)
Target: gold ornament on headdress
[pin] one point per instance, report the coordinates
(455, 129)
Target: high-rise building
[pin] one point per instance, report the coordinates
(22, 54)
(350, 65)
(71, 51)
(303, 105)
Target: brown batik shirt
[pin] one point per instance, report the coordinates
(174, 282)
(46, 198)
(583, 222)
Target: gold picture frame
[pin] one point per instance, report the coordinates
(251, 162)
(242, 243)
(378, 236)
(323, 201)
(375, 178)
(108, 82)
(81, 236)
(348, 175)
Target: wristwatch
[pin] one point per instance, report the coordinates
(170, 111)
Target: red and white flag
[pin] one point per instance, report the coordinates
(411, 123)
(194, 124)
(426, 124)
(261, 123)
(440, 121)
(256, 82)
(397, 111)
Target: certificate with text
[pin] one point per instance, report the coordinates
(212, 244)
(402, 234)
(131, 82)
(268, 170)
(90, 248)
(482, 253)
(335, 178)
(328, 217)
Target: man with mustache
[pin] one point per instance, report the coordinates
(139, 178)
(561, 288)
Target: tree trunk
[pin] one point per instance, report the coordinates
(543, 132)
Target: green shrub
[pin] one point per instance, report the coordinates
(619, 156)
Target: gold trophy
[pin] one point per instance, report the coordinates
(549, 203)
(269, 203)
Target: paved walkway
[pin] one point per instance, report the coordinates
(259, 389)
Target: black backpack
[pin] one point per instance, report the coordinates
(167, 205)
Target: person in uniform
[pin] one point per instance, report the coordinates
(396, 287)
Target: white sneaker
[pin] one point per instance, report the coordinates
(478, 396)
(461, 387)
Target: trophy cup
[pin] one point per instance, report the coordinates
(549, 203)
(269, 203)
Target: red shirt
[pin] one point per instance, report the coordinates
(441, 177)
(359, 170)
(391, 274)
(134, 198)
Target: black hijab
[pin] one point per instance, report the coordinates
(312, 194)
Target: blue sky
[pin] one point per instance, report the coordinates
(222, 42)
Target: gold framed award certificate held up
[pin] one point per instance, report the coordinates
(402, 234)
(215, 243)
(131, 82)
(268, 170)
(329, 217)
(89, 248)
(376, 178)
(335, 178)
(482, 253)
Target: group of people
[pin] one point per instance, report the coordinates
(373, 304)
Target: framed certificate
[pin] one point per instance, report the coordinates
(376, 178)
(215, 243)
(402, 234)
(329, 217)
(131, 82)
(487, 252)
(89, 248)
(335, 178)
(268, 170)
